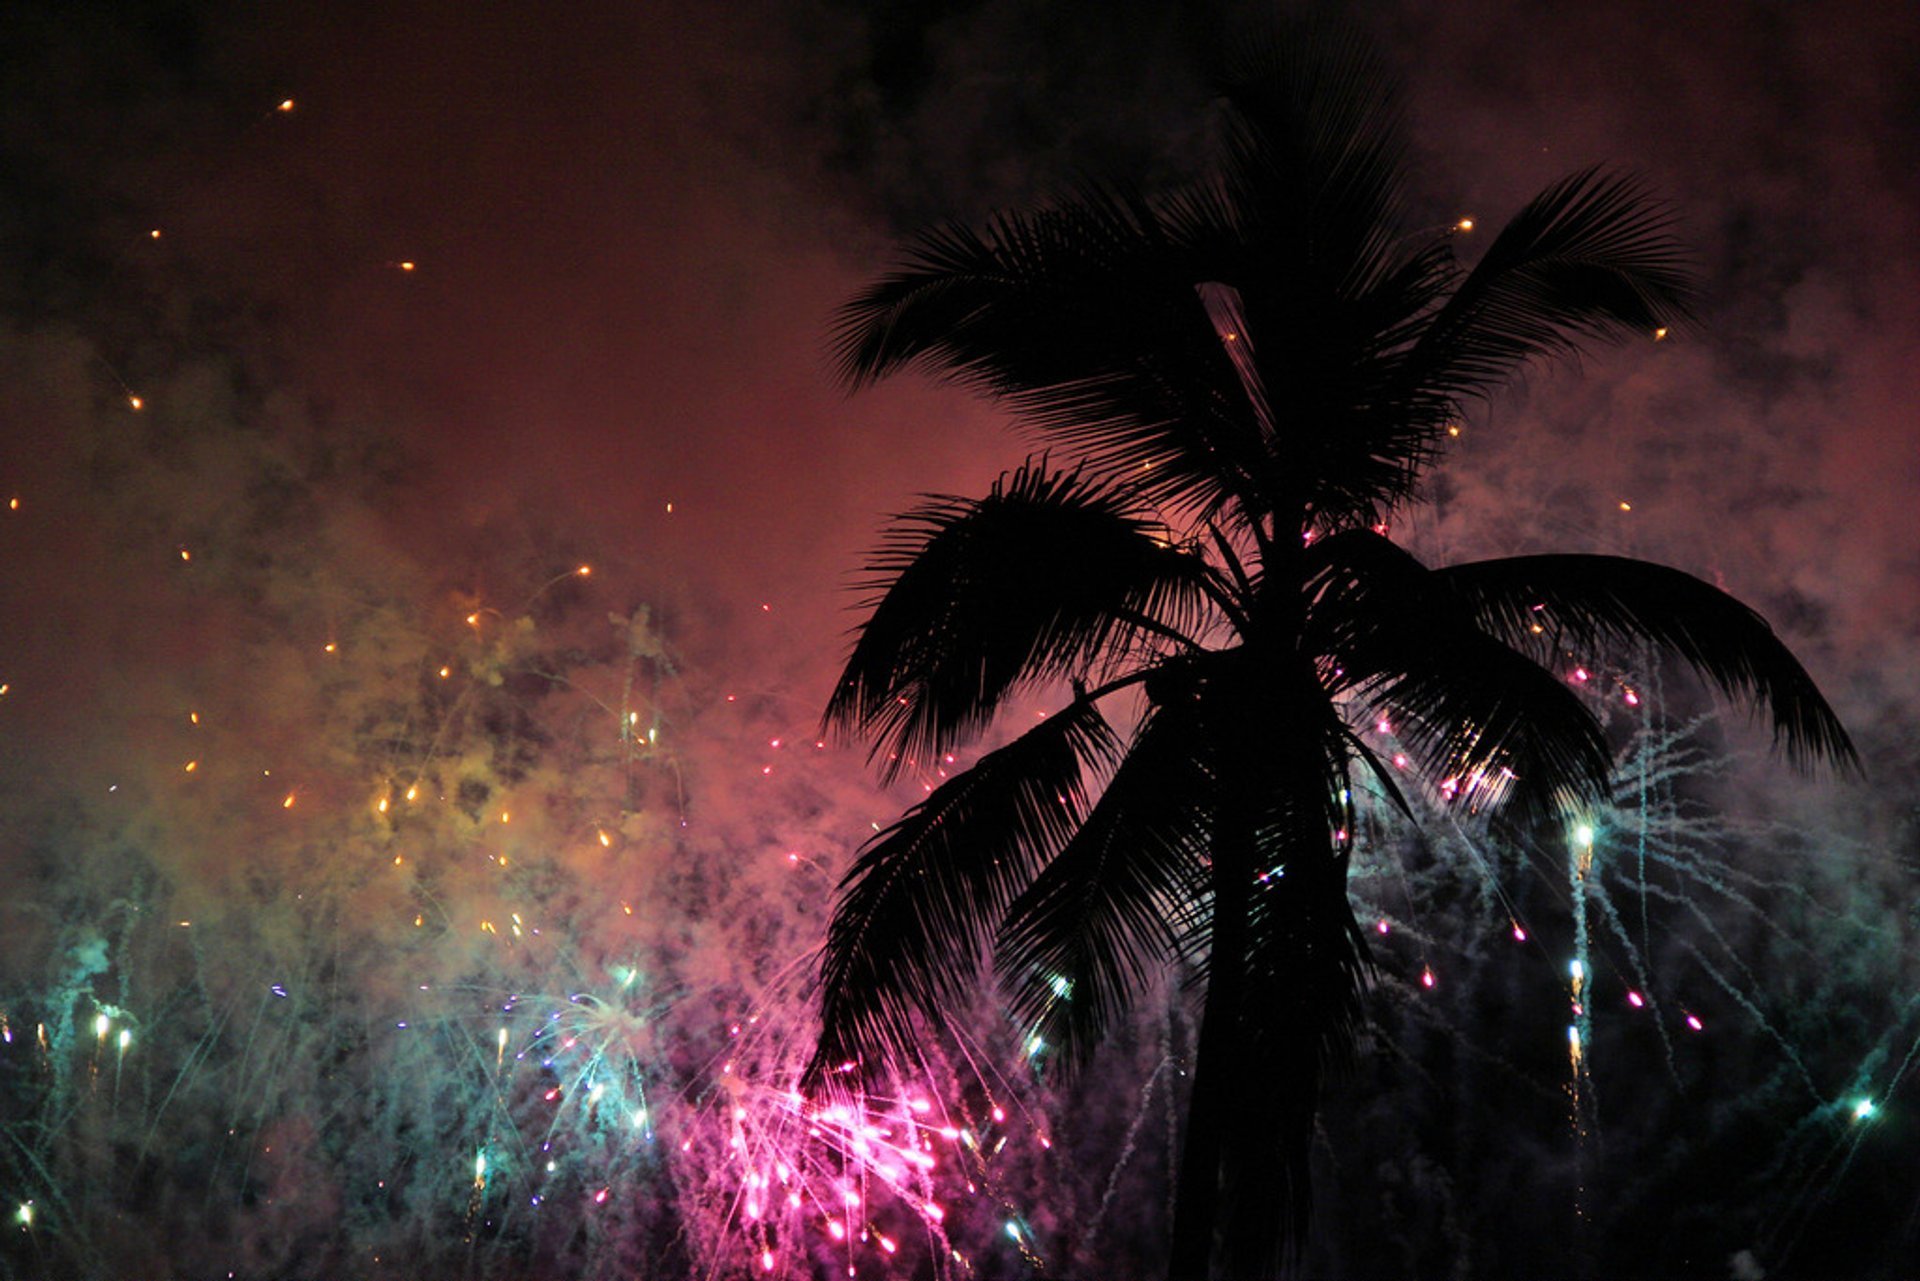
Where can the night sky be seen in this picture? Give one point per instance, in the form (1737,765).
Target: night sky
(507,290)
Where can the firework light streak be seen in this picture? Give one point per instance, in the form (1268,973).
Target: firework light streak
(392,1035)
(455,985)
(1653,934)
(1580,1031)
(849,1179)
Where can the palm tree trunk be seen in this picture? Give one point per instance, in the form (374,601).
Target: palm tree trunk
(1197,1194)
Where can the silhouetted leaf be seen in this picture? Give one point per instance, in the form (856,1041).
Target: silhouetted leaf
(925,894)
(1044,578)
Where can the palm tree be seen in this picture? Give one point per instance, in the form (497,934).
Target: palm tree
(1247,377)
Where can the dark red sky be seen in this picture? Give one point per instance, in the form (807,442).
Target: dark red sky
(633,223)
(624,281)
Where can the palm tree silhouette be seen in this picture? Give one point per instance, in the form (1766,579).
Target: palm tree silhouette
(1247,376)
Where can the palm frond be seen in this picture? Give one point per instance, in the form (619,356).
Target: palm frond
(1612,599)
(1483,718)
(1314,159)
(1488,723)
(1387,369)
(1301,234)
(1077,943)
(1082,318)
(1227,314)
(922,899)
(979,598)
(1382,776)
(1591,257)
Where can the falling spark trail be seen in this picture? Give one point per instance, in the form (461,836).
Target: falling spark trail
(1127,1146)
